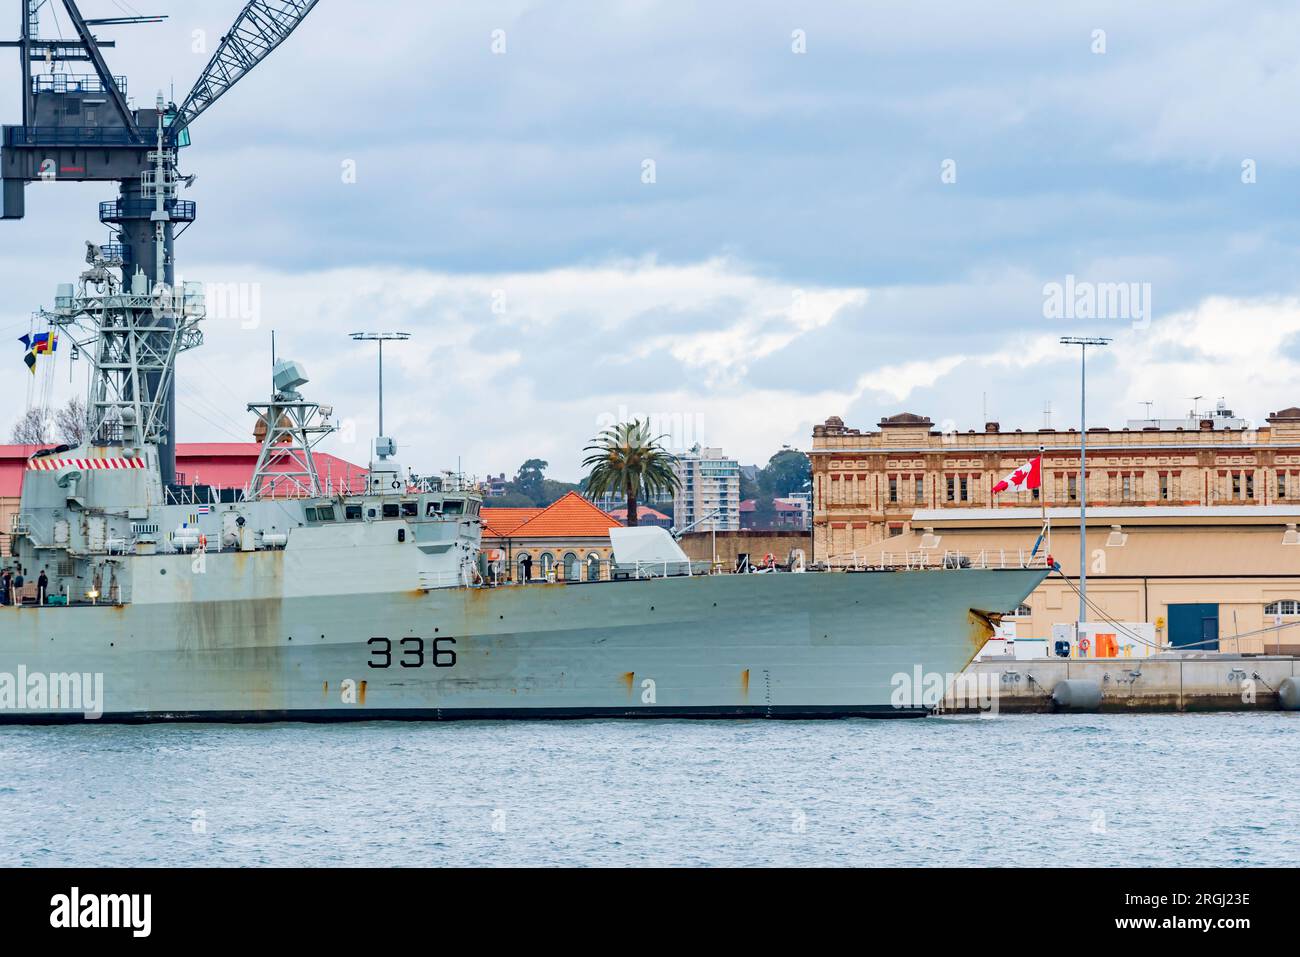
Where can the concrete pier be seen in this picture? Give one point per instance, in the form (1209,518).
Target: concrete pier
(1190,682)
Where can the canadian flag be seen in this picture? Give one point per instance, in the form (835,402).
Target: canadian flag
(1029,475)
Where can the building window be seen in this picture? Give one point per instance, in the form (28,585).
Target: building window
(593,567)
(965,496)
(893,488)
(1072,488)
(895,530)
(952,489)
(1126,488)
(1164,487)
(1250,485)
(1022,611)
(920,490)
(1236,485)
(1287,606)
(1281,485)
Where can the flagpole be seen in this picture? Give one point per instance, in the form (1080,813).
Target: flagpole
(1042,497)
(1083,342)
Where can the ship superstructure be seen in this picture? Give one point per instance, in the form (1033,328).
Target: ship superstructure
(294,599)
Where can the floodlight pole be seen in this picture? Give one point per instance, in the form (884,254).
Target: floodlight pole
(1083,342)
(381,338)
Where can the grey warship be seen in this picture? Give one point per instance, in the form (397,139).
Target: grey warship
(183,603)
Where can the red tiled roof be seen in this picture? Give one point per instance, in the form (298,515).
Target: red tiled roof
(570,517)
(642,511)
(502,521)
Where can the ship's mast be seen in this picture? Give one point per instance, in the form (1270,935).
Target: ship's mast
(290,428)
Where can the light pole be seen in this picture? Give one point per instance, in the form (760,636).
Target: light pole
(381,338)
(1083,342)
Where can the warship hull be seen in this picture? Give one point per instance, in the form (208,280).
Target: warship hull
(782,645)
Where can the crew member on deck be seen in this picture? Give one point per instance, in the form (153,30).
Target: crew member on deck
(42,587)
(526,566)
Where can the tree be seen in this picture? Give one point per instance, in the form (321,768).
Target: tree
(528,480)
(787,471)
(70,421)
(625,459)
(32,428)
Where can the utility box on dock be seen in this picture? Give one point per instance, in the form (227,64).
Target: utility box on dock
(1124,639)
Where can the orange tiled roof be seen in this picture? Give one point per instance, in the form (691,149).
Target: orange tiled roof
(570,517)
(502,521)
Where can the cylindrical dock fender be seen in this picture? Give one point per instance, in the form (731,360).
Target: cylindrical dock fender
(1288,694)
(1077,694)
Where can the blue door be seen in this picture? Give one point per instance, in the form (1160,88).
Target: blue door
(1195,627)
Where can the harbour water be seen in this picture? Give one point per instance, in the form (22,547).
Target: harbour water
(1104,790)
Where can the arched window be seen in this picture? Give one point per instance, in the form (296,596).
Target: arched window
(593,567)
(520,563)
(1286,606)
(548,563)
(572,570)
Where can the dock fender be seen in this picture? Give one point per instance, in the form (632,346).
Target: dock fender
(1077,695)
(1288,694)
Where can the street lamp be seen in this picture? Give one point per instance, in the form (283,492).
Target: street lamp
(381,338)
(1083,342)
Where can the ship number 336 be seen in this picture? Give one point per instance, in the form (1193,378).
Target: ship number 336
(411,652)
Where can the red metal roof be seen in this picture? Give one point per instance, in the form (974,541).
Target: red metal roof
(220,464)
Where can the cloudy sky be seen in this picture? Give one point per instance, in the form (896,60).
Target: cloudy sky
(740,216)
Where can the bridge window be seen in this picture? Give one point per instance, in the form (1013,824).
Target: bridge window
(352,513)
(410,509)
(325,513)
(391,510)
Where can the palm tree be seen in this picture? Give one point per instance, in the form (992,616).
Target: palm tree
(627,460)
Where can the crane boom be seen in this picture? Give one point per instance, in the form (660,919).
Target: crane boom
(260,27)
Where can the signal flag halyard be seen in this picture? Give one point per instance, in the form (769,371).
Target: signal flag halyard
(38,344)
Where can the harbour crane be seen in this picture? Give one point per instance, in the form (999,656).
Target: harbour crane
(79,127)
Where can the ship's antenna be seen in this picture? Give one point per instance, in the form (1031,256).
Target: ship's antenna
(381,338)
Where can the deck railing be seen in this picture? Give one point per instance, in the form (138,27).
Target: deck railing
(932,558)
